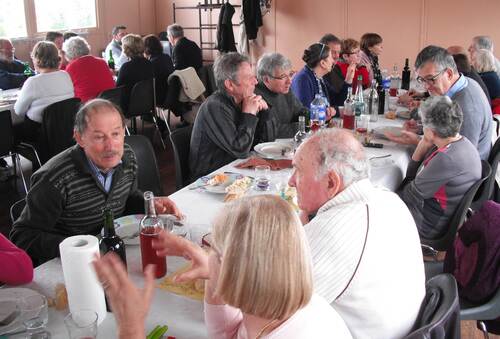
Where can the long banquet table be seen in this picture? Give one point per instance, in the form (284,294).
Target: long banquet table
(184,316)
(8,105)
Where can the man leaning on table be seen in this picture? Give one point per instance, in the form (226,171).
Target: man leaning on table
(280,119)
(70,191)
(437,70)
(226,122)
(11,69)
(365,248)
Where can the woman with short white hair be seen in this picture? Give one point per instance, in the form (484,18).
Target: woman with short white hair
(258,271)
(90,75)
(484,63)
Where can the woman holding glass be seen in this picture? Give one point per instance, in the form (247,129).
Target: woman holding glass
(258,271)
(309,80)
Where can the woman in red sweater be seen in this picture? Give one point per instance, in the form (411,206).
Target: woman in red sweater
(16,265)
(350,53)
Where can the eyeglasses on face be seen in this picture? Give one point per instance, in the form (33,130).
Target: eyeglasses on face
(283,76)
(430,80)
(353,52)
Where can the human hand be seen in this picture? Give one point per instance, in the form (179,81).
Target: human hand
(406,138)
(330,112)
(349,76)
(164,205)
(168,244)
(413,104)
(404,99)
(130,304)
(411,126)
(263,105)
(252,104)
(422,149)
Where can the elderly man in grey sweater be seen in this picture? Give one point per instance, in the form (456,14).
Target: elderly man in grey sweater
(437,70)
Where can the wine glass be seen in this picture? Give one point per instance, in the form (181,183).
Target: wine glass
(34,315)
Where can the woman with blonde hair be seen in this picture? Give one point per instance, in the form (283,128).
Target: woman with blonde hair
(484,63)
(258,271)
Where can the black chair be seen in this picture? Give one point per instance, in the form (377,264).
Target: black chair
(432,246)
(142,103)
(7,145)
(180,139)
(489,310)
(57,127)
(485,191)
(149,175)
(115,95)
(16,209)
(439,312)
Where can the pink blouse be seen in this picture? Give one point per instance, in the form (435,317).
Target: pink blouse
(16,265)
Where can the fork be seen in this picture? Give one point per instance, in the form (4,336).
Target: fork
(380,157)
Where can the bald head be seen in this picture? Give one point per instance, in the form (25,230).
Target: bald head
(6,50)
(456,50)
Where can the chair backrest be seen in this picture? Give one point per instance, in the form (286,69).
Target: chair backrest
(16,209)
(440,309)
(115,95)
(206,74)
(57,127)
(458,217)
(142,99)
(180,139)
(148,173)
(485,191)
(6,134)
(489,310)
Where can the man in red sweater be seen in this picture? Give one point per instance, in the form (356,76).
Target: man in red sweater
(90,75)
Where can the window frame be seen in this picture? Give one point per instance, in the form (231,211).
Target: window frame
(32,27)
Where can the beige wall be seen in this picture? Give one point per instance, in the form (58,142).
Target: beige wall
(292,25)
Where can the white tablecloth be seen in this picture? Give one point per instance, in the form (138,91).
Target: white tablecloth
(185,316)
(16,119)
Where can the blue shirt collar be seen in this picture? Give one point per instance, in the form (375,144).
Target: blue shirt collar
(457,86)
(104,178)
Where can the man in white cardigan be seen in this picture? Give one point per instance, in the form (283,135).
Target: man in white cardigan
(364,243)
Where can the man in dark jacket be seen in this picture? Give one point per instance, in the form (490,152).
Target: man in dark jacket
(11,69)
(69,192)
(185,53)
(225,125)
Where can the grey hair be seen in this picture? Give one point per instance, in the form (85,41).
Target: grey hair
(116,29)
(442,115)
(483,42)
(76,47)
(226,68)
(340,152)
(46,55)
(437,55)
(269,62)
(175,31)
(484,61)
(91,106)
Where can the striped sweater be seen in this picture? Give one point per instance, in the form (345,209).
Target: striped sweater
(66,199)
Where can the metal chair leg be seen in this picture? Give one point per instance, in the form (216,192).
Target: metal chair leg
(126,130)
(159,132)
(482,326)
(34,151)
(18,161)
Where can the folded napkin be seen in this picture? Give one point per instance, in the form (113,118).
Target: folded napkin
(275,165)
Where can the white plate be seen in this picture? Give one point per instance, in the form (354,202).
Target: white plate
(13,294)
(129,225)
(217,189)
(275,150)
(380,131)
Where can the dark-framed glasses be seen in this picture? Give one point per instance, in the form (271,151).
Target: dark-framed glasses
(430,80)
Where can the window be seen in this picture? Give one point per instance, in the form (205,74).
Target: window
(21,18)
(12,19)
(64,15)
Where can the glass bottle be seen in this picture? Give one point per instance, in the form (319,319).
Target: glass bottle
(348,117)
(359,101)
(373,102)
(405,76)
(27,70)
(301,133)
(318,112)
(111,61)
(151,226)
(394,81)
(110,242)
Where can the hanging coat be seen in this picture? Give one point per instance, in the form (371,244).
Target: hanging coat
(253,17)
(225,35)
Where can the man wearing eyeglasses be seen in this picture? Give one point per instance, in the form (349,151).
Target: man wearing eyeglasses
(11,69)
(438,72)
(70,191)
(274,74)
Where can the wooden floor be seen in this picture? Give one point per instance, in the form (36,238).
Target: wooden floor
(12,191)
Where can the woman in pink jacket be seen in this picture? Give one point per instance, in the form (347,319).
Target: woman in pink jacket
(16,265)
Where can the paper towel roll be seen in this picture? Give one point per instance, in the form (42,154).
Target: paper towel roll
(84,290)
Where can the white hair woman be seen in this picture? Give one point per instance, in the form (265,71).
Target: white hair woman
(258,271)
(90,75)
(48,86)
(451,165)
(484,63)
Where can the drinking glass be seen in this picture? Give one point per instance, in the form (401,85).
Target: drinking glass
(81,324)
(281,182)
(34,315)
(262,177)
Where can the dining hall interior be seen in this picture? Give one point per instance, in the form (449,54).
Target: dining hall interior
(253,165)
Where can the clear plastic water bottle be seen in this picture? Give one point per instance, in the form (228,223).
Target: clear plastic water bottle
(373,102)
(318,113)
